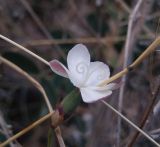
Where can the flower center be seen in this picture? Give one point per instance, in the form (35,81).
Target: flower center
(82,68)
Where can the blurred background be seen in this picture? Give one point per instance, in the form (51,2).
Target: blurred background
(50,28)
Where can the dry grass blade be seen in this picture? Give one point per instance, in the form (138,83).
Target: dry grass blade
(145,54)
(77,40)
(32,80)
(40,88)
(147,112)
(132,124)
(40,24)
(5,130)
(19,134)
(128,10)
(128,46)
(24,49)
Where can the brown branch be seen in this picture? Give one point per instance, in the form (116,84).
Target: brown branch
(6,131)
(30,127)
(128,9)
(128,46)
(28,77)
(104,40)
(40,88)
(40,24)
(146,114)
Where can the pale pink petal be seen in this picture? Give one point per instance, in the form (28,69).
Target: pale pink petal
(98,72)
(78,61)
(59,68)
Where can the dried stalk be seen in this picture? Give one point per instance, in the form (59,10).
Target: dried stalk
(29,78)
(128,10)
(40,24)
(145,54)
(4,129)
(39,87)
(128,44)
(150,49)
(132,124)
(24,49)
(102,40)
(26,129)
(146,114)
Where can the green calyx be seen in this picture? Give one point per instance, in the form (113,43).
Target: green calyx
(71,101)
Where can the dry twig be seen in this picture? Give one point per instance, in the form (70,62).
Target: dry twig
(5,131)
(38,86)
(145,54)
(128,45)
(19,134)
(147,112)
(40,24)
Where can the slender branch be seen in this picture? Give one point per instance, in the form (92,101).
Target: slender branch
(75,40)
(129,42)
(128,10)
(144,55)
(155,131)
(131,123)
(148,51)
(40,88)
(30,127)
(32,80)
(5,130)
(35,18)
(24,49)
(40,24)
(102,40)
(146,114)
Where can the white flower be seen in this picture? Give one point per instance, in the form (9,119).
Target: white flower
(84,74)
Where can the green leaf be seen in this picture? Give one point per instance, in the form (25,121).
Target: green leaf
(50,138)
(22,61)
(71,101)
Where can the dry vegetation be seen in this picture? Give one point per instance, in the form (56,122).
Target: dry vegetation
(50,28)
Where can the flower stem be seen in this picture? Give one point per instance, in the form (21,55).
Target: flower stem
(24,49)
(26,129)
(29,78)
(145,54)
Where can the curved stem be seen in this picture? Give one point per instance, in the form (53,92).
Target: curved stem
(145,54)
(32,80)
(30,127)
(131,123)
(24,49)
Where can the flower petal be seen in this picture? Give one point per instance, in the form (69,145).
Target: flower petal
(90,95)
(110,86)
(98,72)
(59,68)
(78,61)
